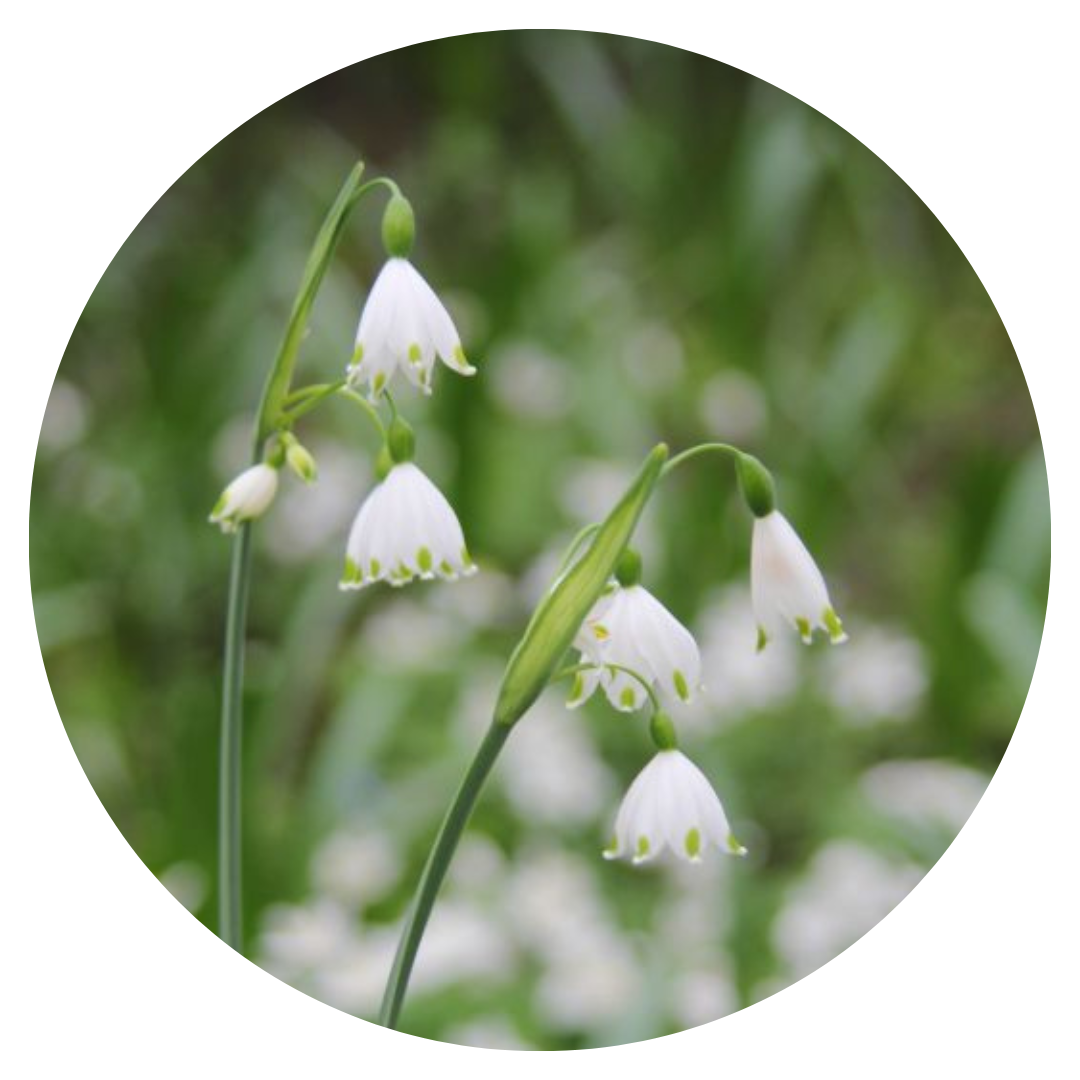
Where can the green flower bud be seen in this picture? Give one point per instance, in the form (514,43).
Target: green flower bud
(400,441)
(662,731)
(301,462)
(628,568)
(398,227)
(756,485)
(559,615)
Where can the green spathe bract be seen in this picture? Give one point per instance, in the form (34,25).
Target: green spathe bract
(559,615)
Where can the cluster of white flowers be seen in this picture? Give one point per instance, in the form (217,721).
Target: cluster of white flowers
(637,651)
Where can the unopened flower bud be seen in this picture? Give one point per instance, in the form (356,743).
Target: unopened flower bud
(301,462)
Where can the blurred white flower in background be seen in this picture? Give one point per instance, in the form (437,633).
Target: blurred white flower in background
(187,881)
(308,517)
(847,890)
(732,404)
(653,357)
(925,792)
(410,635)
(67,416)
(881,675)
(299,938)
(703,996)
(356,866)
(528,382)
(738,679)
(487,1032)
(551,772)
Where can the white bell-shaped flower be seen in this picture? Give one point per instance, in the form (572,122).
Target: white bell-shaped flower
(671,804)
(405,529)
(403,326)
(248,496)
(630,628)
(785,584)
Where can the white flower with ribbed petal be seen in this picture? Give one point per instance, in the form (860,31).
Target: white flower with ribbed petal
(786,585)
(405,529)
(630,628)
(405,327)
(671,805)
(248,496)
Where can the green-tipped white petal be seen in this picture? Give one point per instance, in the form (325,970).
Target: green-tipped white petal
(671,805)
(403,327)
(786,585)
(630,628)
(405,529)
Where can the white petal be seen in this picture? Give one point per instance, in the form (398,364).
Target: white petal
(668,647)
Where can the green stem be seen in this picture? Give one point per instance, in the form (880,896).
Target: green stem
(363,403)
(696,451)
(268,420)
(230,927)
(435,870)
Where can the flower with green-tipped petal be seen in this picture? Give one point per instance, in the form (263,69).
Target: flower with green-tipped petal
(247,497)
(671,805)
(403,326)
(786,585)
(405,529)
(628,627)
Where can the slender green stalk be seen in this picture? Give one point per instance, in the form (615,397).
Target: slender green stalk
(230,927)
(435,870)
(271,417)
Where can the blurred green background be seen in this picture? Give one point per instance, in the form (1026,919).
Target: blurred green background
(637,244)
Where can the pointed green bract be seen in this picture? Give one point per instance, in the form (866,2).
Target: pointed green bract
(561,612)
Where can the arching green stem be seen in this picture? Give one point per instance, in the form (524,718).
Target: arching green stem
(696,451)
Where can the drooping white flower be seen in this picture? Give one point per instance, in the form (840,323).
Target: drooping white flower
(405,529)
(403,326)
(785,584)
(248,496)
(629,627)
(671,804)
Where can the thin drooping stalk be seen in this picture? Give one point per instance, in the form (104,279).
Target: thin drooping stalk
(435,870)
(230,924)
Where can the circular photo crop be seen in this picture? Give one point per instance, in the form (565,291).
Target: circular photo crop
(539,540)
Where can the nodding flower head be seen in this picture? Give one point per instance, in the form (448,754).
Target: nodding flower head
(671,805)
(785,584)
(405,529)
(630,628)
(405,327)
